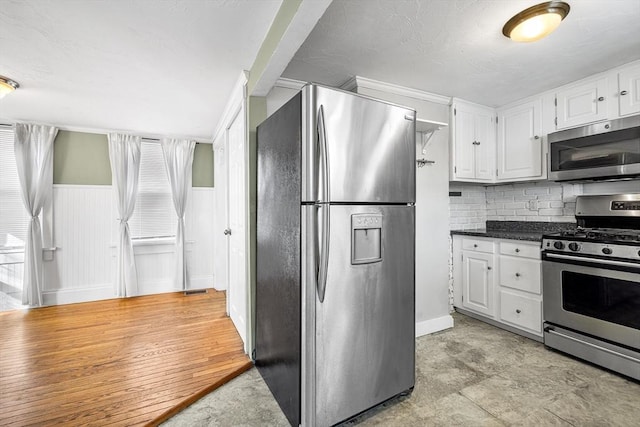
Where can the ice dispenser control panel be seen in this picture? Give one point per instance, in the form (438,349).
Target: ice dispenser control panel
(366,238)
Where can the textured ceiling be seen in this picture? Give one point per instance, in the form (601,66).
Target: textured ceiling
(155,67)
(456,47)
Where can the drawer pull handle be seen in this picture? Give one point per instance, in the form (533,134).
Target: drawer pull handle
(475,246)
(518,311)
(517,274)
(517,250)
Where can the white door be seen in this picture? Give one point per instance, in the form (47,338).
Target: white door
(220,211)
(629,96)
(582,104)
(237,294)
(477,282)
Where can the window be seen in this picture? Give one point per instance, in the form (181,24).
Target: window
(13,215)
(154,215)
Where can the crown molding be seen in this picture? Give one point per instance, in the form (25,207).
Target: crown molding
(236,99)
(357,81)
(289,83)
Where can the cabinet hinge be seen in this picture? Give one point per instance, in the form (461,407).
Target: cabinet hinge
(455,169)
(496,172)
(555,101)
(556,120)
(454,112)
(496,119)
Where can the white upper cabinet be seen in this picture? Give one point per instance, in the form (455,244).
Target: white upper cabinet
(629,91)
(520,148)
(473,142)
(582,103)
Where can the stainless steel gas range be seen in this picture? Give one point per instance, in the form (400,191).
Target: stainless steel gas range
(591,284)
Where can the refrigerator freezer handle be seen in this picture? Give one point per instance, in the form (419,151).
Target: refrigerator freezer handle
(324,155)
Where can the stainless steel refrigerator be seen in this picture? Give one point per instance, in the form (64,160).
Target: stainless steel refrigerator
(335,292)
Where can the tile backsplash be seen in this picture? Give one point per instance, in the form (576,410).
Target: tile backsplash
(544,201)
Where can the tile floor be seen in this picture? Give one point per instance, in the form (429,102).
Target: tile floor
(471,375)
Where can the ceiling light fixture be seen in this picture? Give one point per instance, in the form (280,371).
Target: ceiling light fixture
(536,22)
(7,86)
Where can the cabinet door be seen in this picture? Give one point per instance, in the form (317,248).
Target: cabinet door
(477,282)
(485,148)
(520,141)
(581,104)
(629,95)
(463,138)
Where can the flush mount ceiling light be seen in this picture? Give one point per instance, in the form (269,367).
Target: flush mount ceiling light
(536,22)
(7,86)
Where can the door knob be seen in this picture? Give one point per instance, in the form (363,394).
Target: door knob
(601,98)
(227,232)
(624,92)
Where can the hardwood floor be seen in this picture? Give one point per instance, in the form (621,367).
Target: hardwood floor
(133,361)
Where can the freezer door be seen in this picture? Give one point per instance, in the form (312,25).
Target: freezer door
(365,327)
(362,149)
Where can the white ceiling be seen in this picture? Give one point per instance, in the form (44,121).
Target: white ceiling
(154,67)
(456,47)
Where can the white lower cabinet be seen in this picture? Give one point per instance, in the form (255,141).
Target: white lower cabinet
(478,282)
(500,280)
(521,310)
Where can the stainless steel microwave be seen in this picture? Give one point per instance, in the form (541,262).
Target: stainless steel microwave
(603,150)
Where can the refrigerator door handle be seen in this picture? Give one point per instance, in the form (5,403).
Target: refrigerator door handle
(325,207)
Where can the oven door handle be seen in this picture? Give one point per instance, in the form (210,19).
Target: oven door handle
(552,331)
(603,263)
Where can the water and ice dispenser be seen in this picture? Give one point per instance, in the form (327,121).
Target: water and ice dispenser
(366,238)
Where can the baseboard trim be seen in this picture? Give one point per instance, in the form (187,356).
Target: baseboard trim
(434,325)
(72,296)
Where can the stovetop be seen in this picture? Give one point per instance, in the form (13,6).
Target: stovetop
(601,235)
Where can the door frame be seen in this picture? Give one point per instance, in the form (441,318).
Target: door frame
(236,109)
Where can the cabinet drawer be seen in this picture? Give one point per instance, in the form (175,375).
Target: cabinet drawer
(520,273)
(522,311)
(477,245)
(526,250)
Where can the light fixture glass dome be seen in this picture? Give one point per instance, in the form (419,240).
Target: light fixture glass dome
(7,86)
(536,22)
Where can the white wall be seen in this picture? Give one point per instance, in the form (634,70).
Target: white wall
(84,264)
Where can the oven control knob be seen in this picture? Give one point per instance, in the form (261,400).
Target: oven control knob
(574,246)
(606,251)
(558,245)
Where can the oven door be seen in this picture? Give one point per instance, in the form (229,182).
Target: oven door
(593,296)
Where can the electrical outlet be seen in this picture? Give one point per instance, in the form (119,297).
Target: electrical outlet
(533,205)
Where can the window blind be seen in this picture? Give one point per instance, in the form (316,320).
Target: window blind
(13,215)
(154,214)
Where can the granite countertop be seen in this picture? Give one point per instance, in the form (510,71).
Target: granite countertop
(516,230)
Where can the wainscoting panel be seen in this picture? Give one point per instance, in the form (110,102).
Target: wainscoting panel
(81,234)
(200,233)
(83,265)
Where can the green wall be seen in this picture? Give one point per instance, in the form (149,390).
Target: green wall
(83,159)
(203,166)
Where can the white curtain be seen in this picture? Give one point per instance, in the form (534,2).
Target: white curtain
(178,158)
(34,161)
(124,154)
